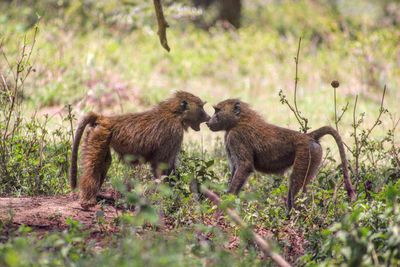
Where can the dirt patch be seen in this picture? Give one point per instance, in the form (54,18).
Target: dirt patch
(50,213)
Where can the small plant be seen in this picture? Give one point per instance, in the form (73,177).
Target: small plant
(192,172)
(365,236)
(33,160)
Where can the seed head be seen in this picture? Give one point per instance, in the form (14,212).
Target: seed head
(335,84)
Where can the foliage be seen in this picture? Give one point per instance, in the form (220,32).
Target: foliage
(367,235)
(104,55)
(70,248)
(33,159)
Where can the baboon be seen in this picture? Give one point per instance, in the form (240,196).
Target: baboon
(253,144)
(154,136)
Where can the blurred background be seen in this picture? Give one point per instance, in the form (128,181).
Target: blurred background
(60,59)
(105,55)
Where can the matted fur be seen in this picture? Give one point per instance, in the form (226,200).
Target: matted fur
(153,136)
(253,144)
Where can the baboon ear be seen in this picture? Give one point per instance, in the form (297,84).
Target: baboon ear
(236,108)
(184,105)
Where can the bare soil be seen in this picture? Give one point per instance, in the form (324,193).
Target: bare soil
(50,213)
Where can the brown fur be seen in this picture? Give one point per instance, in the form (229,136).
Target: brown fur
(253,144)
(153,136)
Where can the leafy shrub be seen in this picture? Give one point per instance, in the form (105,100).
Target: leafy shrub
(367,235)
(33,159)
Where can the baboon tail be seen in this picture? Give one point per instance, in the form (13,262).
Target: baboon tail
(317,134)
(89,118)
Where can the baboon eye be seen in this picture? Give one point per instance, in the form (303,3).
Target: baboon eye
(184,105)
(236,108)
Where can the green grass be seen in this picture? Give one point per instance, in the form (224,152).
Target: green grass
(252,64)
(86,62)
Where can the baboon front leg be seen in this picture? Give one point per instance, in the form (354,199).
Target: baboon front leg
(96,160)
(305,167)
(232,166)
(158,171)
(155,170)
(233,171)
(239,178)
(163,165)
(171,169)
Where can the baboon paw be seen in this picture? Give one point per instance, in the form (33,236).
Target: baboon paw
(219,217)
(352,196)
(87,205)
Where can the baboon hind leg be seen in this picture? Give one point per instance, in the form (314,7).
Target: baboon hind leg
(105,196)
(105,167)
(305,167)
(96,160)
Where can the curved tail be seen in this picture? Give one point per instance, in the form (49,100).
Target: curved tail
(317,134)
(90,118)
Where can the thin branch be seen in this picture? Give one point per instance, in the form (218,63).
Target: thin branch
(296,79)
(334,101)
(70,119)
(33,43)
(162,24)
(30,54)
(302,120)
(293,110)
(359,144)
(3,53)
(335,84)
(343,111)
(381,111)
(262,243)
(357,148)
(6,86)
(393,149)
(18,80)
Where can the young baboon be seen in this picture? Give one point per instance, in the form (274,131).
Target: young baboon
(153,136)
(253,144)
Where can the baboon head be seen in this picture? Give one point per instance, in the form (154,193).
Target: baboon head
(191,110)
(227,115)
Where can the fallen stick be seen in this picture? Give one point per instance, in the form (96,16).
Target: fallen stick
(162,24)
(262,243)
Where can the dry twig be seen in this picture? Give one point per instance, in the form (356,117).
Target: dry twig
(303,121)
(262,243)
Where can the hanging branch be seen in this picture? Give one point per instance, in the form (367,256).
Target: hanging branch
(162,24)
(262,243)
